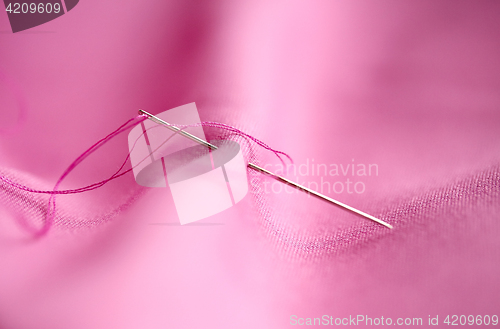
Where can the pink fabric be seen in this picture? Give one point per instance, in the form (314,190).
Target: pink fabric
(412,87)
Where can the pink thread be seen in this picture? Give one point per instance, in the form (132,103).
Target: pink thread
(241,133)
(52,200)
(124,127)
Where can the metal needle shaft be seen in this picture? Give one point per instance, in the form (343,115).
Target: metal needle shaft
(267,172)
(319,195)
(174,128)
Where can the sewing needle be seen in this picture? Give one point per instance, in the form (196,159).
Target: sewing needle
(267,172)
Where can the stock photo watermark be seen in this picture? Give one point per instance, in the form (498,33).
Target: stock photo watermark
(28,14)
(430,320)
(333,178)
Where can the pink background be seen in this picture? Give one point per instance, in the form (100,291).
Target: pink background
(412,86)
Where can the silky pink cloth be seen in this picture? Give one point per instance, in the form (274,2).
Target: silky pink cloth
(412,87)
